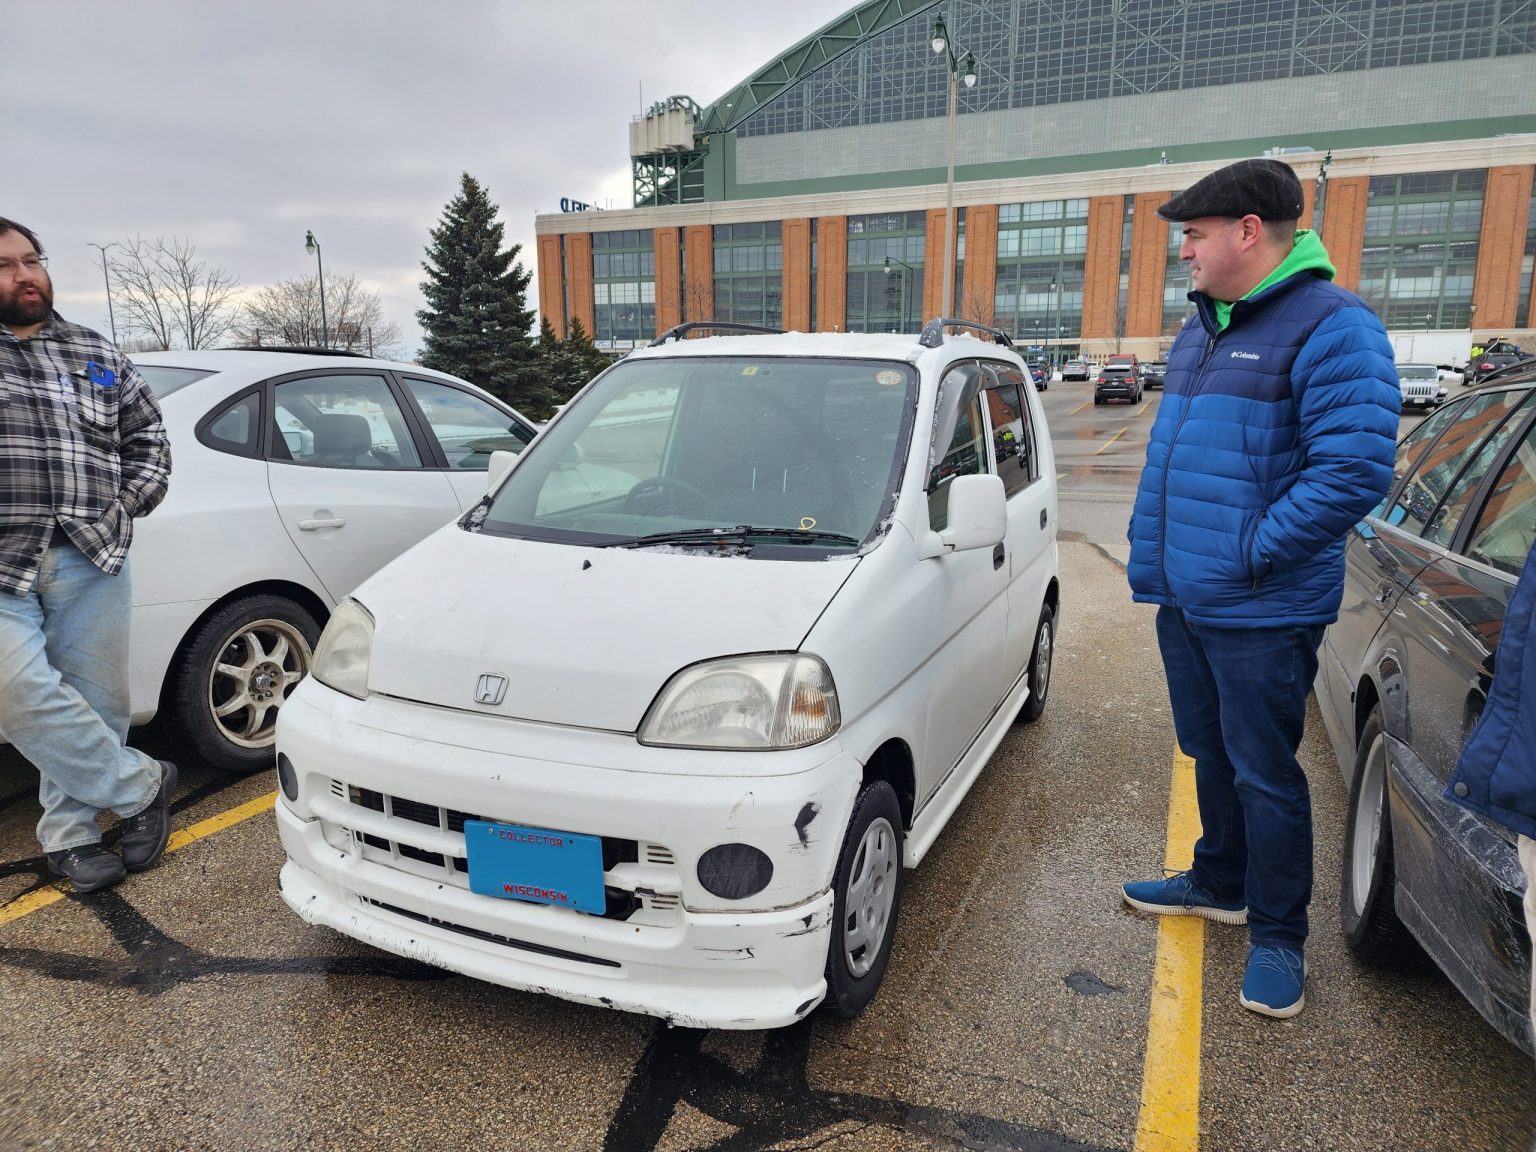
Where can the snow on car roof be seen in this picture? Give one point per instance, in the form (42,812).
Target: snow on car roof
(854,345)
(230,359)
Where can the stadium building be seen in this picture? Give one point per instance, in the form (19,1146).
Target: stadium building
(814,195)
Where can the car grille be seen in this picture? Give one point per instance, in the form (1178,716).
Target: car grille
(397,850)
(493,938)
(1425,391)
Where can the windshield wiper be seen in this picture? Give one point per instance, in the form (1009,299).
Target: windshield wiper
(740,536)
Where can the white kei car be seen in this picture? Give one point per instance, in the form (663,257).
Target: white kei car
(668,750)
(294,477)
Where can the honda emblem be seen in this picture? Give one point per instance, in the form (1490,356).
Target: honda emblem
(490,689)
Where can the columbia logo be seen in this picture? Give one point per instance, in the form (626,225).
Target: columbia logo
(1245,355)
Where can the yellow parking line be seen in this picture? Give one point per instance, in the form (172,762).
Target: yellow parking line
(1112,439)
(1144,407)
(1170,1079)
(43,897)
(1080,407)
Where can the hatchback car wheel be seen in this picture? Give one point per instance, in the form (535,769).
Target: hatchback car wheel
(1367,909)
(866,900)
(236,673)
(1040,666)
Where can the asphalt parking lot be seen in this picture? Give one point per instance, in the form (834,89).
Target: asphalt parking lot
(1025,1006)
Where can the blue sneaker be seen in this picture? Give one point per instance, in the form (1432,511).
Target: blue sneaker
(1275,981)
(1178,895)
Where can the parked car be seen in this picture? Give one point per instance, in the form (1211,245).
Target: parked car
(1498,355)
(1153,373)
(1117,380)
(668,750)
(1420,384)
(295,477)
(1403,675)
(1076,370)
(1040,373)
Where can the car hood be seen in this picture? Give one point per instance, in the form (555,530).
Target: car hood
(584,636)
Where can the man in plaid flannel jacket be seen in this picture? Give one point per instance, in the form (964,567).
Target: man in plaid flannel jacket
(82,453)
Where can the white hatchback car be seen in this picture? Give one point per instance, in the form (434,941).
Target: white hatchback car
(668,750)
(294,477)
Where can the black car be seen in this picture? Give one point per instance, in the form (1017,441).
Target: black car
(1498,355)
(1117,382)
(1153,373)
(1402,676)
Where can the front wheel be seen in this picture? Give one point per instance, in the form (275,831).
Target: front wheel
(1040,666)
(1367,907)
(866,900)
(234,675)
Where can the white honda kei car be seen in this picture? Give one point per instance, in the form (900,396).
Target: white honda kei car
(668,749)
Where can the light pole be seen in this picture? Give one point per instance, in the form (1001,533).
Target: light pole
(1055,288)
(943,47)
(107,281)
(889,271)
(1321,194)
(312,246)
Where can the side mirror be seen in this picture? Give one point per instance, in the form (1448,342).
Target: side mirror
(978,517)
(501,464)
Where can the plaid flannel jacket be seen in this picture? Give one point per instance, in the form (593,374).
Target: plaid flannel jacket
(81,447)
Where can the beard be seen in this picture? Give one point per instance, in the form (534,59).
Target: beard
(16,312)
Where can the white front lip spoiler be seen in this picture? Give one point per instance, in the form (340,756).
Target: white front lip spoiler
(737,972)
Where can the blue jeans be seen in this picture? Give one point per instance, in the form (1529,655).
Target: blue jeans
(1239,701)
(64,699)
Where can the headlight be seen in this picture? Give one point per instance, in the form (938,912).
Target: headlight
(341,657)
(752,703)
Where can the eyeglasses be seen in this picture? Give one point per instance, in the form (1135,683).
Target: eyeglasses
(9,268)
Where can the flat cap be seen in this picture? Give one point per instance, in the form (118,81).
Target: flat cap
(1267,189)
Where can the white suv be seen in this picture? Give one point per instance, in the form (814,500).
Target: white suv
(668,749)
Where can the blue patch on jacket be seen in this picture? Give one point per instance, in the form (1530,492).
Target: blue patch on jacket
(1272,439)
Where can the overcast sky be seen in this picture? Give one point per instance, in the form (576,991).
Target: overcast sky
(238,125)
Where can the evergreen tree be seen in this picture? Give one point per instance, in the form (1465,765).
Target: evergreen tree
(564,367)
(476,318)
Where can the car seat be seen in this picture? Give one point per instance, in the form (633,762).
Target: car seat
(344,440)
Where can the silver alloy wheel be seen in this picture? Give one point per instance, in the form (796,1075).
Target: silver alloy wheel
(870,895)
(1043,654)
(1370,804)
(256,671)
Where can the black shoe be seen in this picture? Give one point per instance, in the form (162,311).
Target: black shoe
(144,835)
(89,867)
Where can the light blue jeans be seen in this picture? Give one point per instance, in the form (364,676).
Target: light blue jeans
(64,700)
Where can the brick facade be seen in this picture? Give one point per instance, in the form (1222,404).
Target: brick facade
(980,288)
(832,275)
(699,275)
(552,284)
(669,279)
(1149,261)
(1500,248)
(796,284)
(578,266)
(1344,227)
(1101,268)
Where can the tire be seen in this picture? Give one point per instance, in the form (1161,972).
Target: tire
(869,876)
(1040,661)
(266,645)
(1367,909)
(1097,400)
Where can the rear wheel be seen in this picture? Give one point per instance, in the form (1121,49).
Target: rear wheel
(234,675)
(1040,666)
(866,900)
(1367,908)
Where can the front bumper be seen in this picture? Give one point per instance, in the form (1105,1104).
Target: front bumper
(392,875)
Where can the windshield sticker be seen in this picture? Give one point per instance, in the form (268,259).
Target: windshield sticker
(889,377)
(749,370)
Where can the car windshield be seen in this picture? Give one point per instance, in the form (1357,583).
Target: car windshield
(766,456)
(163,381)
(1417,372)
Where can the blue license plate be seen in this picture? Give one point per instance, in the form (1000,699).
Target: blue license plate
(539,865)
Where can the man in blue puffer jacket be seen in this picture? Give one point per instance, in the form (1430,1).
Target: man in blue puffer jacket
(1496,772)
(1275,435)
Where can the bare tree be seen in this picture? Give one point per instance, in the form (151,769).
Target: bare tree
(169,297)
(288,312)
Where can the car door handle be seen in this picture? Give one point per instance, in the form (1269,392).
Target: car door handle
(1383,594)
(316,525)
(998,556)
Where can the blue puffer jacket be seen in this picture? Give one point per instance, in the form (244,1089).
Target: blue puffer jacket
(1273,437)
(1496,774)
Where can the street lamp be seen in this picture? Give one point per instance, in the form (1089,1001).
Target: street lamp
(107,281)
(312,246)
(943,47)
(1321,193)
(902,292)
(1055,287)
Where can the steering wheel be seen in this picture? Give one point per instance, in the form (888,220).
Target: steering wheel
(669,483)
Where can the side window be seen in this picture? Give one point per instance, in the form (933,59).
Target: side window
(966,455)
(1506,528)
(343,421)
(1447,518)
(1013,441)
(1437,468)
(467,428)
(234,429)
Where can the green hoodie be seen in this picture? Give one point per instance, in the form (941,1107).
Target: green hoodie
(1307,254)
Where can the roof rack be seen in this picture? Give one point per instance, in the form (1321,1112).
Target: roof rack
(682,330)
(933,331)
(300,349)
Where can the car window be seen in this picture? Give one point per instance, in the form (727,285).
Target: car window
(1013,442)
(1505,529)
(341,421)
(1436,469)
(163,381)
(235,428)
(1442,525)
(966,454)
(468,428)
